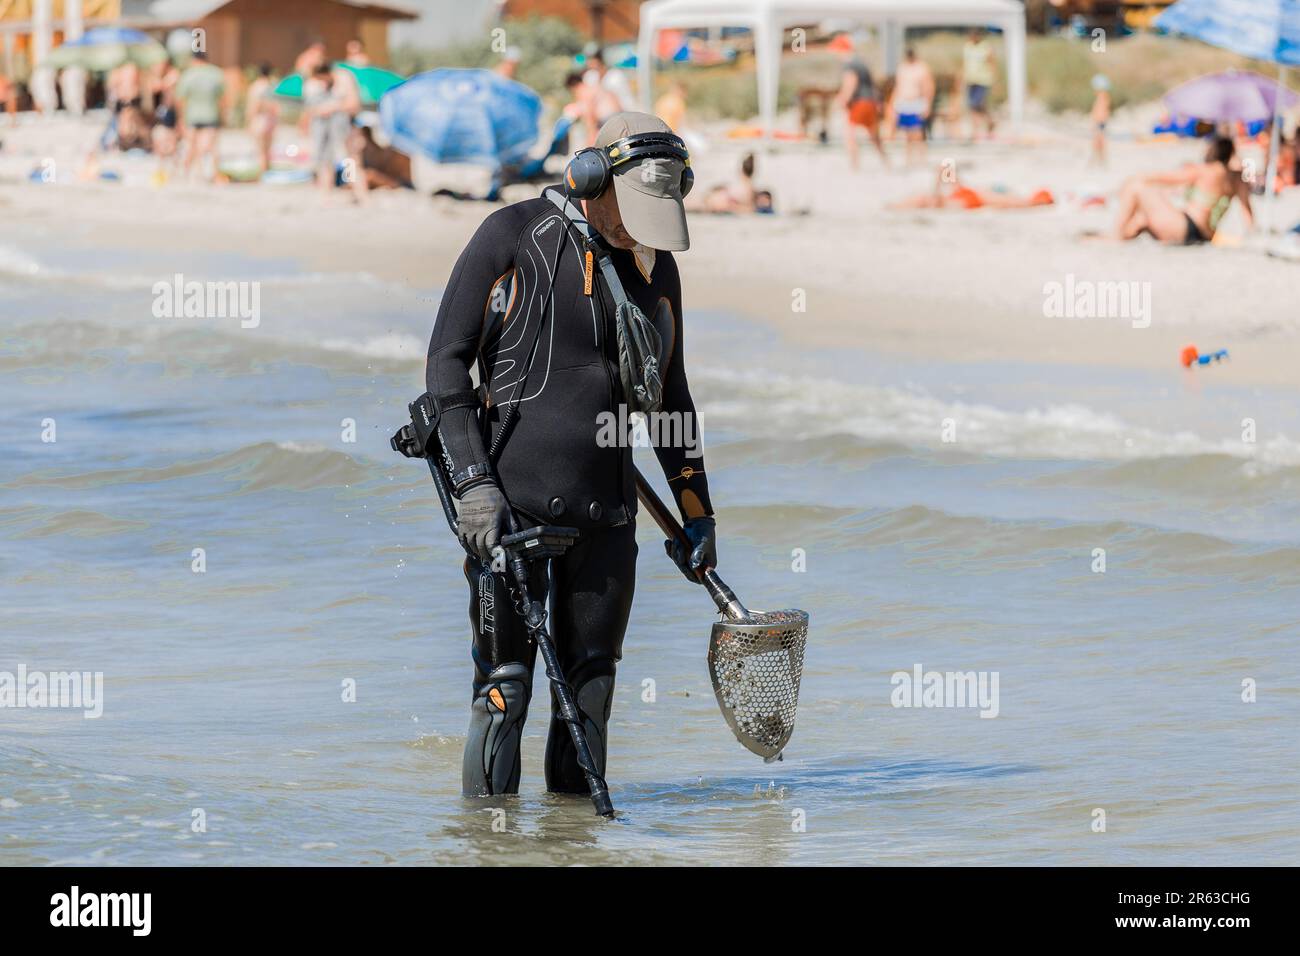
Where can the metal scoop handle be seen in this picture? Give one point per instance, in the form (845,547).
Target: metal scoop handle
(723,596)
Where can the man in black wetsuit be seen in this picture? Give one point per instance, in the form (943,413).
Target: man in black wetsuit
(552,465)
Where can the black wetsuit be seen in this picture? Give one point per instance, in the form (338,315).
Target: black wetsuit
(551,465)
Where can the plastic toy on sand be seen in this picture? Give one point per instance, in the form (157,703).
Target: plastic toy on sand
(1191,357)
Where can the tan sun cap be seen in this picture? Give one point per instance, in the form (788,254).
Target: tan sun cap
(649,190)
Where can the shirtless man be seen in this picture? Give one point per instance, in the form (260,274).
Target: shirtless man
(911,103)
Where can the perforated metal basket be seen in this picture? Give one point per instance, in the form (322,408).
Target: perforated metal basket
(756,665)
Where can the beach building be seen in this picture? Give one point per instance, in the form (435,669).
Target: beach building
(608,21)
(238,32)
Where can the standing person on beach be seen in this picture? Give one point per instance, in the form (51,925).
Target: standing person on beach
(8,98)
(912,100)
(164,136)
(312,56)
(978,71)
(857,97)
(262,114)
(330,100)
(355,54)
(1099,116)
(671,107)
(199,95)
(609,93)
(526,308)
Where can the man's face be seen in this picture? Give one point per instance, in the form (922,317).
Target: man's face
(604,217)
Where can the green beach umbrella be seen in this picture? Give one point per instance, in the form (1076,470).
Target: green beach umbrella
(106,48)
(373,82)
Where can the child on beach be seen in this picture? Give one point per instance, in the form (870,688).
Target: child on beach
(1099,116)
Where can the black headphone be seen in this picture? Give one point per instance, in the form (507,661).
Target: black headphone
(590,171)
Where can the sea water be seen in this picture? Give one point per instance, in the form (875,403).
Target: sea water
(209,516)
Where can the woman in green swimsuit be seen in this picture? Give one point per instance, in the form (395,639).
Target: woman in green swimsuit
(1210,187)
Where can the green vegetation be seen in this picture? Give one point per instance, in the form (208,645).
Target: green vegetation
(547,44)
(1141,68)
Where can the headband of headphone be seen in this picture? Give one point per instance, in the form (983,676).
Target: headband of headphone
(590,171)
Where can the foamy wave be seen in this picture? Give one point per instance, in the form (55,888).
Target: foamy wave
(394,345)
(20,264)
(16,262)
(818,407)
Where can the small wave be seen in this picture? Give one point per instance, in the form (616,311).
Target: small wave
(818,407)
(70,344)
(258,467)
(79,523)
(976,542)
(21,264)
(1205,474)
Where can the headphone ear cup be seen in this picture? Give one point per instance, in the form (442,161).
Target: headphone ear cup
(688,180)
(587,174)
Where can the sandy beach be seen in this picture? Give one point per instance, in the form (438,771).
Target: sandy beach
(946,284)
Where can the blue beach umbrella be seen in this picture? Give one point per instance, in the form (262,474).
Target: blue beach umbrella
(1262,29)
(462,116)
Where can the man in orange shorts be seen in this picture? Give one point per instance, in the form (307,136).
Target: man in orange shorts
(857,97)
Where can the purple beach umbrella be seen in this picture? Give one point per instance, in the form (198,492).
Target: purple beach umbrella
(1229,97)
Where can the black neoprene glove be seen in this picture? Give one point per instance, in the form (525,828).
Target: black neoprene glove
(703,536)
(484,512)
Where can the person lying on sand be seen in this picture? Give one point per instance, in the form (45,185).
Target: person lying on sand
(1210,187)
(383,166)
(962,196)
(736,197)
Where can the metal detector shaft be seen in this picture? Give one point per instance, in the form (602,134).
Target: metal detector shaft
(535,619)
(424,412)
(723,596)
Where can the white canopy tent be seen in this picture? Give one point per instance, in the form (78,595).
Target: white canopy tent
(769,19)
